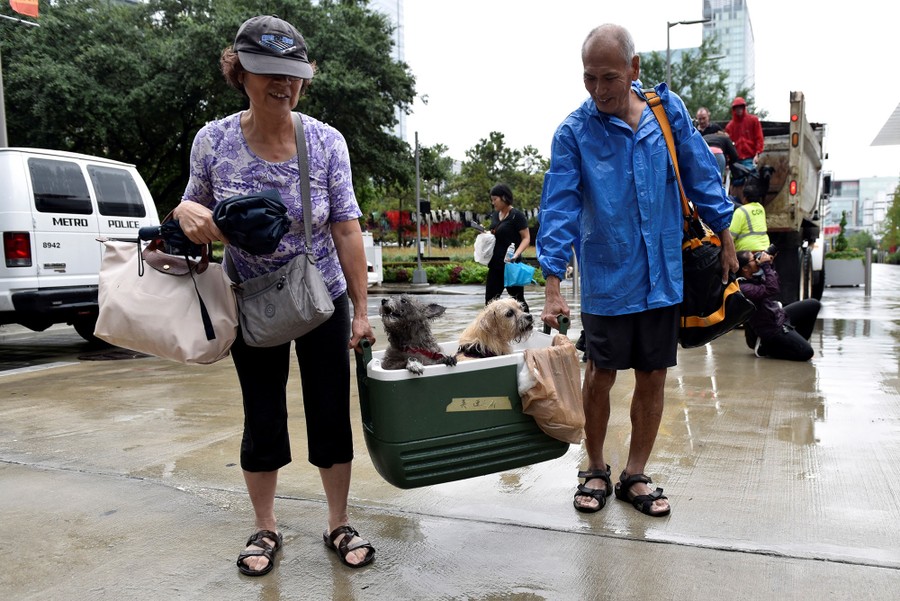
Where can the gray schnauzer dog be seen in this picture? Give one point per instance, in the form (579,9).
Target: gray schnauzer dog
(407,323)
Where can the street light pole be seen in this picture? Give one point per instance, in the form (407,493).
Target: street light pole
(419,275)
(669,26)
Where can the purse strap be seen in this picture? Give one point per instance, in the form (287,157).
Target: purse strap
(653,99)
(303,160)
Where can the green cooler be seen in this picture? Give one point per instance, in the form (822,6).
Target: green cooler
(450,423)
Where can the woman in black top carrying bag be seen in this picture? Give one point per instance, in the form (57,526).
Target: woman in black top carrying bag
(509,226)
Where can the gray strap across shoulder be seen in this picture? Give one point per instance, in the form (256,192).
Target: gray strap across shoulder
(303,160)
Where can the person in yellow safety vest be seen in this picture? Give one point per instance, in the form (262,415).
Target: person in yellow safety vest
(748,227)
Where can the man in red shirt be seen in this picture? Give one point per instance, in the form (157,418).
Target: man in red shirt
(746,133)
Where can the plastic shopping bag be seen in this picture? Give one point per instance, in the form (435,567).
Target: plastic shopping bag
(518,274)
(550,387)
(484,247)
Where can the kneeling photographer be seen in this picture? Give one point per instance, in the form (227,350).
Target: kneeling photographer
(774,331)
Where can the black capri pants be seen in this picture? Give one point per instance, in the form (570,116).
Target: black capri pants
(324,361)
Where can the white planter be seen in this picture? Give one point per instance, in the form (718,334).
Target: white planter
(845,272)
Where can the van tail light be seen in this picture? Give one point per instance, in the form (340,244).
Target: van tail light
(793,187)
(17,249)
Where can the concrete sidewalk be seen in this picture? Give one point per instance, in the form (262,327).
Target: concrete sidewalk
(118,480)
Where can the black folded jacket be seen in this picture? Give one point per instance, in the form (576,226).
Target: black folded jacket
(254,223)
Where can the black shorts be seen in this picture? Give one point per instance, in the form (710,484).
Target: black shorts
(643,341)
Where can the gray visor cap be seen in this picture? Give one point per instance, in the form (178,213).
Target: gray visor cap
(267,45)
(266,64)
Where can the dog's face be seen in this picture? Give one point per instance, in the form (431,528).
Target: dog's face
(403,315)
(406,322)
(497,326)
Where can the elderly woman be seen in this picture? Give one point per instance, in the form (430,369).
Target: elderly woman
(245,153)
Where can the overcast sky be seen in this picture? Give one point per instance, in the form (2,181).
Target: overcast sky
(514,66)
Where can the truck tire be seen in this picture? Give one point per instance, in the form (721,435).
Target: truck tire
(805,273)
(818,284)
(788,264)
(85,328)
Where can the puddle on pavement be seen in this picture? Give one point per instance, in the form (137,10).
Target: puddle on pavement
(113,354)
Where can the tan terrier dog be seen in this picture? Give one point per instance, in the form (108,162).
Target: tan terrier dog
(497,326)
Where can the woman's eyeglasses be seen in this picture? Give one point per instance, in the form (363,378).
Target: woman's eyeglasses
(287,77)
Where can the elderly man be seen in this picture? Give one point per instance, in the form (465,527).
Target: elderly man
(611,189)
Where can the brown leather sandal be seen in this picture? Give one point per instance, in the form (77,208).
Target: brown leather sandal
(345,546)
(266,550)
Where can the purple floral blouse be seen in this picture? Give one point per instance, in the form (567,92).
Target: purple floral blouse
(222,165)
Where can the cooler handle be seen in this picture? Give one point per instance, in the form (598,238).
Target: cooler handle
(366,345)
(563,324)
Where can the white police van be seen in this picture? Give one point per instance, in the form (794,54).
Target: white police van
(53,207)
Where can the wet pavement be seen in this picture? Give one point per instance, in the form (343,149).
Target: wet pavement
(119,480)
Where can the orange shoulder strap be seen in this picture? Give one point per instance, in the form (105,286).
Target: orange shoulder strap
(660,113)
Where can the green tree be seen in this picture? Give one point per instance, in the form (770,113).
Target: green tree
(698,79)
(359,86)
(435,172)
(135,83)
(527,181)
(890,227)
(861,240)
(490,162)
(435,168)
(840,242)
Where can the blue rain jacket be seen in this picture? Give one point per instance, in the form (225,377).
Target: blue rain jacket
(612,191)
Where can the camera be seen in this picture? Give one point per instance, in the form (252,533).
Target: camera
(771,251)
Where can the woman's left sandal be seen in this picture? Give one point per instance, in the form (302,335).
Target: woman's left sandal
(346,546)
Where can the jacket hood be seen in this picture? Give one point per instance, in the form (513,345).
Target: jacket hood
(738,102)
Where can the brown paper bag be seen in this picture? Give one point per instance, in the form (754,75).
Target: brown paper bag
(554,395)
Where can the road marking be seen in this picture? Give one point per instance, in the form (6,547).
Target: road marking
(42,367)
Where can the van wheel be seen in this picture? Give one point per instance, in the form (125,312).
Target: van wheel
(85,328)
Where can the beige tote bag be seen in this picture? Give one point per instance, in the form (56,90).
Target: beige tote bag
(164,305)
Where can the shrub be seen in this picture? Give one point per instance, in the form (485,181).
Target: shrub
(453,265)
(396,274)
(438,274)
(461,272)
(850,253)
(842,249)
(473,273)
(840,243)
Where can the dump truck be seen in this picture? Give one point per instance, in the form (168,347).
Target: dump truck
(797,187)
